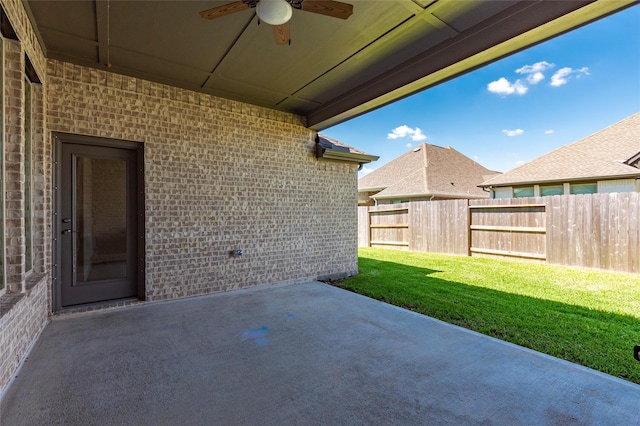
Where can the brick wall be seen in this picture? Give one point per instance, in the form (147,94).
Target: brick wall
(219,175)
(25,306)
(13,80)
(22,319)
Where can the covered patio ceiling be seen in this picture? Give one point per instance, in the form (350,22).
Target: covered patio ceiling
(332,70)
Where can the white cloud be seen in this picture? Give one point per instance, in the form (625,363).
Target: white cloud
(537,67)
(502,86)
(535,78)
(582,71)
(409,144)
(519,162)
(549,132)
(534,74)
(515,132)
(562,76)
(406,131)
(365,171)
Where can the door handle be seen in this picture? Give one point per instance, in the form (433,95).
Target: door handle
(67,231)
(66,220)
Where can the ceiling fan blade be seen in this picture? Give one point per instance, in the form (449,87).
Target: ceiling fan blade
(223,10)
(331,8)
(281,33)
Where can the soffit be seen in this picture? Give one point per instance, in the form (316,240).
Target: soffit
(332,70)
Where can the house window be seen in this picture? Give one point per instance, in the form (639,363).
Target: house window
(522,192)
(28,165)
(551,190)
(584,188)
(616,185)
(502,192)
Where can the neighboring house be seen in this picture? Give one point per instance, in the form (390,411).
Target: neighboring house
(427,172)
(606,161)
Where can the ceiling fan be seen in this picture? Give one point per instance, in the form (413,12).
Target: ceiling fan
(278,12)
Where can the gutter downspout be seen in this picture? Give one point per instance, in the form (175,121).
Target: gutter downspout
(490,191)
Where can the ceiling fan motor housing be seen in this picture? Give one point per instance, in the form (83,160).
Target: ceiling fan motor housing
(274,12)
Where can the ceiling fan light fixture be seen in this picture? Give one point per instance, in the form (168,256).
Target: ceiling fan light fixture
(274,12)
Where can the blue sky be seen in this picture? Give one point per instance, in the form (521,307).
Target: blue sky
(519,108)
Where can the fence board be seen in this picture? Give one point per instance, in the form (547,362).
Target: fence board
(588,253)
(570,255)
(417,217)
(461,244)
(603,241)
(363,226)
(596,235)
(553,229)
(621,234)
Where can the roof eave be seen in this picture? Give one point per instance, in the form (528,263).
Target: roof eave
(352,157)
(372,189)
(442,195)
(562,180)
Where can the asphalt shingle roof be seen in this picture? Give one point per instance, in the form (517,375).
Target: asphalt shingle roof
(330,143)
(602,154)
(428,170)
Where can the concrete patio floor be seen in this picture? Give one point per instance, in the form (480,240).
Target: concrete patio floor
(297,354)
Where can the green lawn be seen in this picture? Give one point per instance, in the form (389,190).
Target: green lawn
(585,316)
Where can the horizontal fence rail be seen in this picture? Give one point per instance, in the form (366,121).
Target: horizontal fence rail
(592,230)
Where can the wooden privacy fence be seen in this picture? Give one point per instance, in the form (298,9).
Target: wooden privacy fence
(595,231)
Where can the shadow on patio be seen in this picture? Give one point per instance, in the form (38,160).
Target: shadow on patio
(297,354)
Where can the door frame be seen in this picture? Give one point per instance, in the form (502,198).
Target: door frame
(58,140)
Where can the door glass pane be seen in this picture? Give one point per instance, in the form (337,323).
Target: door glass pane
(100,219)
